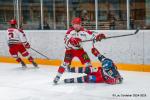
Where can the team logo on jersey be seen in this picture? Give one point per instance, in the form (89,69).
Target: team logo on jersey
(83,35)
(85,57)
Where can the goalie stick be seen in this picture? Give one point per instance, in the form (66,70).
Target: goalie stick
(137,30)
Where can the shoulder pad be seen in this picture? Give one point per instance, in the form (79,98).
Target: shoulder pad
(69,30)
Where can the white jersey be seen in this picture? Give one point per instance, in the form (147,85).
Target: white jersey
(15,36)
(82,34)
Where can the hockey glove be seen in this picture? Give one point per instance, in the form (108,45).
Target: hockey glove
(27,45)
(99,37)
(75,41)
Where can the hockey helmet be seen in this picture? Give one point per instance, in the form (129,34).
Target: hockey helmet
(76,20)
(13,22)
(109,68)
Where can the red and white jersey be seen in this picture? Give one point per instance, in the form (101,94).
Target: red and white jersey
(15,36)
(82,34)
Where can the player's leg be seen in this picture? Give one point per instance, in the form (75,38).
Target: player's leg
(76,69)
(82,79)
(96,53)
(26,54)
(61,70)
(13,50)
(86,70)
(84,58)
(67,61)
(30,58)
(18,59)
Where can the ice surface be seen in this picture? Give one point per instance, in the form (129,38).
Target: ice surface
(36,84)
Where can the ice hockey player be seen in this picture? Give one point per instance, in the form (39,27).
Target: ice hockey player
(74,48)
(108,73)
(17,43)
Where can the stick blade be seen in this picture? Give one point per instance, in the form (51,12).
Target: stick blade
(137,30)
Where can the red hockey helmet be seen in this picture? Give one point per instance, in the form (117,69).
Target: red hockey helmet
(76,20)
(13,21)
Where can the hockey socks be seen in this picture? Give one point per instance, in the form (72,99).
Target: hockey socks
(22,62)
(61,70)
(85,70)
(82,79)
(32,61)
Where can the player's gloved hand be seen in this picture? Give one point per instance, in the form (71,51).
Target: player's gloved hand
(99,37)
(75,41)
(95,52)
(27,45)
(119,80)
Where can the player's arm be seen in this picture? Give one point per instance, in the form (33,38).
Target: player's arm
(96,53)
(23,39)
(94,36)
(71,41)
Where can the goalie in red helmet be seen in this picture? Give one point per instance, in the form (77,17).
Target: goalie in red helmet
(18,43)
(73,43)
(108,73)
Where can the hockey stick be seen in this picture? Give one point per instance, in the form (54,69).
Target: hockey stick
(137,30)
(40,53)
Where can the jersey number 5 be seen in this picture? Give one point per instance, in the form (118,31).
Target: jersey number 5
(11,35)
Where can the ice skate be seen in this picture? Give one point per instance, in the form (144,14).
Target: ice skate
(24,66)
(35,64)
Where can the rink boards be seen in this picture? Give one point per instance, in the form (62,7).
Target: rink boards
(128,67)
(130,53)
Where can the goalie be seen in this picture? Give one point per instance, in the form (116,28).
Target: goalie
(108,73)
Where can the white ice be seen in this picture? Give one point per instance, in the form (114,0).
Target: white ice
(36,84)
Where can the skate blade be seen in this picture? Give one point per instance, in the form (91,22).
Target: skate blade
(36,67)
